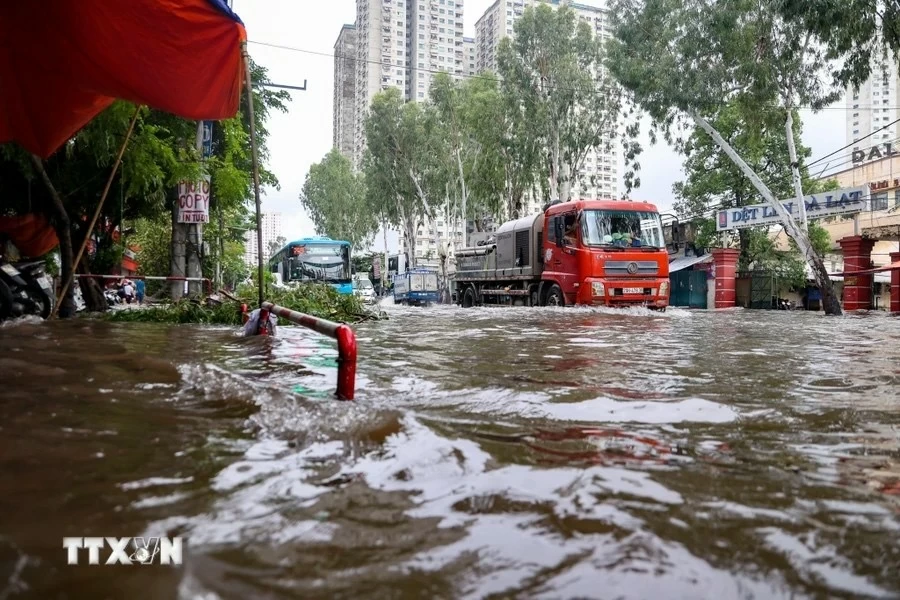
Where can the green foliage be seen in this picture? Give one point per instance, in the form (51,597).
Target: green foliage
(401,163)
(714,180)
(153,237)
(687,59)
(318,300)
(862,33)
(552,69)
(160,153)
(335,199)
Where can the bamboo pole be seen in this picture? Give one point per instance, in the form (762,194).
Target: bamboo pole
(87,236)
(259,244)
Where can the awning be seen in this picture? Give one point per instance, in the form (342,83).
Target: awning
(63,61)
(683,262)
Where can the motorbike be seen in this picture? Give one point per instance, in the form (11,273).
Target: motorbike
(112,298)
(25,289)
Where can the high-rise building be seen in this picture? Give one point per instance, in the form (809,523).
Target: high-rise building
(381,59)
(873,106)
(345,90)
(598,178)
(271,231)
(469,56)
(402,44)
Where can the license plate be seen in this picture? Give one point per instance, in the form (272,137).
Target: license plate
(44,282)
(633,290)
(9,270)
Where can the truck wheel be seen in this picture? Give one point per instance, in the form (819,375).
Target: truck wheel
(555,296)
(469,298)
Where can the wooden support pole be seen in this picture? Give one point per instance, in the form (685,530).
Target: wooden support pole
(70,276)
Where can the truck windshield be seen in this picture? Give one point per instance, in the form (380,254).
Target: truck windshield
(622,228)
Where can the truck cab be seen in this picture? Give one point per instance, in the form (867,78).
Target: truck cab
(609,253)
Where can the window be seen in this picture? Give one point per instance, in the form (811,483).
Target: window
(880,201)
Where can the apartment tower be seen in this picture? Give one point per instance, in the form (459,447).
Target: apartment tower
(345,91)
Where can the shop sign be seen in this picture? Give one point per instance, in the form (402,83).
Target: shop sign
(818,206)
(885,184)
(874,153)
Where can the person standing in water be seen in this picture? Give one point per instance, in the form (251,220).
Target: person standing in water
(139,291)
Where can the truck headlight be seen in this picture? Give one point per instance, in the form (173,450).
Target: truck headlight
(597,288)
(663,288)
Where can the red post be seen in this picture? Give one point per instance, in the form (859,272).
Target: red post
(857,257)
(895,284)
(346,339)
(725,263)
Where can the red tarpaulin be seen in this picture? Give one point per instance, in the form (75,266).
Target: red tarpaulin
(30,233)
(63,61)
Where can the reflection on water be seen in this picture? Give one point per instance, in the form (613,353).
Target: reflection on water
(546,453)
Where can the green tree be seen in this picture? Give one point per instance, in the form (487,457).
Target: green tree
(335,199)
(400,163)
(553,69)
(275,245)
(160,153)
(864,34)
(714,181)
(687,58)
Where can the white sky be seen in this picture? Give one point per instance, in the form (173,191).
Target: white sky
(303,136)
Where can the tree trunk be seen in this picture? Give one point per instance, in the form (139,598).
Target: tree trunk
(795,169)
(177,266)
(91,290)
(192,259)
(829,300)
(553,180)
(58,216)
(565,182)
(464,197)
(410,234)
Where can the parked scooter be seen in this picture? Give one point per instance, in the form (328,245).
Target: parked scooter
(25,289)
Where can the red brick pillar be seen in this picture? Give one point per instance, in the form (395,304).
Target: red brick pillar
(725,262)
(857,257)
(895,284)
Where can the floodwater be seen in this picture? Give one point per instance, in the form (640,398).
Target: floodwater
(491,453)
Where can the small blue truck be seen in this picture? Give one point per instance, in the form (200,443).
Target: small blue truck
(416,287)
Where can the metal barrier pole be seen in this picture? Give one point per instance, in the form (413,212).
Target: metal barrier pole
(346,339)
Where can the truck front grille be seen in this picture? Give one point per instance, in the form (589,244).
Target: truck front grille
(619,268)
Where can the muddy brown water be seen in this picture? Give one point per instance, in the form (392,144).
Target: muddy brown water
(491,453)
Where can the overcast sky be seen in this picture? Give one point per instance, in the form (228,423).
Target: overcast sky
(303,136)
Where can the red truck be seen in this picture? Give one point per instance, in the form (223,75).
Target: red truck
(590,252)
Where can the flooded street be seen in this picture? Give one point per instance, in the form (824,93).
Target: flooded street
(514,453)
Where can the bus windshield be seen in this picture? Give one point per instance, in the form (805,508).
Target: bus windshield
(320,262)
(622,228)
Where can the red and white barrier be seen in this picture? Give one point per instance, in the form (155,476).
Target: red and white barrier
(346,339)
(206,280)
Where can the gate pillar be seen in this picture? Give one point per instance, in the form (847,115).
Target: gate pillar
(725,262)
(895,284)
(857,257)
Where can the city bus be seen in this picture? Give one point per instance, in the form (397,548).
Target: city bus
(316,260)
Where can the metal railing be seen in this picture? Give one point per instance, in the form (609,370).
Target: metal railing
(205,280)
(346,339)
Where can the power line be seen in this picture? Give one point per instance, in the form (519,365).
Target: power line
(332,55)
(853,143)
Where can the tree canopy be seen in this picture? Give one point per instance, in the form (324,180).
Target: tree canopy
(335,199)
(683,60)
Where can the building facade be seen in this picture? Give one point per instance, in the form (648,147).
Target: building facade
(344,128)
(598,178)
(271,231)
(874,106)
(381,59)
